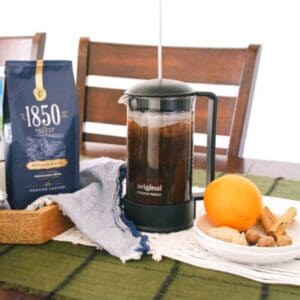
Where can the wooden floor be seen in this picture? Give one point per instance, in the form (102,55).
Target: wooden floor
(245,166)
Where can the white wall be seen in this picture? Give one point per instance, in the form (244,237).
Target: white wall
(274,121)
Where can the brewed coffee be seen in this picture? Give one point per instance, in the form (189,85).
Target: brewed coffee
(159,157)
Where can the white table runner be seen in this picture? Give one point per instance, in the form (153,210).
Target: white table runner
(183,246)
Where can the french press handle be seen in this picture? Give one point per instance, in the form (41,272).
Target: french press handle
(211,133)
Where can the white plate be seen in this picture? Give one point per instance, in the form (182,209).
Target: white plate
(247,254)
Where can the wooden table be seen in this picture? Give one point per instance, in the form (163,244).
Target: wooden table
(241,165)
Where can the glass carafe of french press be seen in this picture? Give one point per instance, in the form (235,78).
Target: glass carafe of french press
(160,119)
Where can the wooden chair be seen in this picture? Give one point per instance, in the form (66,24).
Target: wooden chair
(233,68)
(22,47)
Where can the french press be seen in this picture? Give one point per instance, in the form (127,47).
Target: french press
(160,120)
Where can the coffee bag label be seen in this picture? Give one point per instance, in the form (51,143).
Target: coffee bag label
(47,164)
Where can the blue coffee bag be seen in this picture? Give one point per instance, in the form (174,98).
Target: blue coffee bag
(41,130)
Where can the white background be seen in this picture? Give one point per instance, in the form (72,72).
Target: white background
(273,131)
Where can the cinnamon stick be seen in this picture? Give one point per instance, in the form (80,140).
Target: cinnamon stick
(282,222)
(268,220)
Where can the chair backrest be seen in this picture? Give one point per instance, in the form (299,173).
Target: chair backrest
(22,47)
(101,65)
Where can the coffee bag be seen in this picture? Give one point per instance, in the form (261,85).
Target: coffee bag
(41,130)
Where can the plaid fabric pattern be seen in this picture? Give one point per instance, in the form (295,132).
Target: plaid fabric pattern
(59,270)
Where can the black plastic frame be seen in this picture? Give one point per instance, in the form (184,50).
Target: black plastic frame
(159,218)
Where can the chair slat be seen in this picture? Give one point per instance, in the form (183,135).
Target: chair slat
(102,106)
(104,139)
(187,64)
(195,64)
(122,60)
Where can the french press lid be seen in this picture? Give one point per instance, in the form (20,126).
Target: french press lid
(160,88)
(161,95)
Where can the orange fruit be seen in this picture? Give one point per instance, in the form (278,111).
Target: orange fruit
(234,201)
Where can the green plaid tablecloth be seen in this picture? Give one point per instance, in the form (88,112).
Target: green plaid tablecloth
(60,270)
